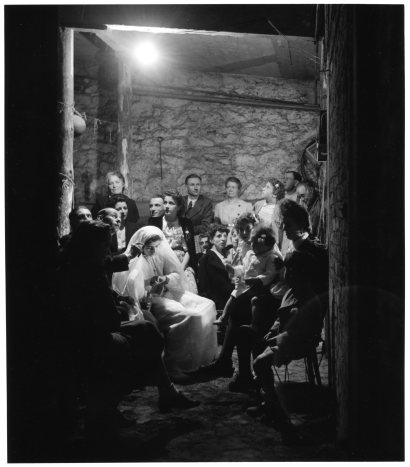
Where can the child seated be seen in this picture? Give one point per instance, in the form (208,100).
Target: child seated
(260,269)
(241,235)
(232,249)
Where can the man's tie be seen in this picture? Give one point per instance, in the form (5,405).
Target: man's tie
(190,205)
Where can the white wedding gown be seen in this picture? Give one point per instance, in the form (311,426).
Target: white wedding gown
(185,318)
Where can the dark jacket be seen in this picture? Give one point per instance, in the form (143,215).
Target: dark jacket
(115,263)
(320,280)
(130,229)
(102,202)
(213,280)
(88,308)
(201,215)
(188,230)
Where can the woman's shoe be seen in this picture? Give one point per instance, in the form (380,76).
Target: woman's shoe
(176,401)
(214,369)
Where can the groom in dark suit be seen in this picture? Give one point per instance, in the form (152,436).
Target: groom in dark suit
(198,208)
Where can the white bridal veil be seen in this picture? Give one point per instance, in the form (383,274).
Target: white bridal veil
(140,270)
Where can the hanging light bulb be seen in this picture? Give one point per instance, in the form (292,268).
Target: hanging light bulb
(146,53)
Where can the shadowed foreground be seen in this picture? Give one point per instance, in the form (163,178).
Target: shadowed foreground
(218,430)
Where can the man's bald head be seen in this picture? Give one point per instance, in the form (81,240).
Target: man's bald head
(111,217)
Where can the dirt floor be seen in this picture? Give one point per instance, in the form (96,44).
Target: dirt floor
(218,430)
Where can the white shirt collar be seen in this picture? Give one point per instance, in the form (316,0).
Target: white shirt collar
(221,257)
(300,240)
(192,200)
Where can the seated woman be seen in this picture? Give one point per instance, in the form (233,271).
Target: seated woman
(260,269)
(115,186)
(127,228)
(226,212)
(266,210)
(157,277)
(178,230)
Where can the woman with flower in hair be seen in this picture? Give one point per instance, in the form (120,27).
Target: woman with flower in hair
(266,210)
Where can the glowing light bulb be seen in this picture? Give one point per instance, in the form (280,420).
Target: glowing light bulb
(146,53)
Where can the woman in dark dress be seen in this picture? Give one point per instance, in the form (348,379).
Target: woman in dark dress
(115,186)
(127,228)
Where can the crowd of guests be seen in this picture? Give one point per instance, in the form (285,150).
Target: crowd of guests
(144,302)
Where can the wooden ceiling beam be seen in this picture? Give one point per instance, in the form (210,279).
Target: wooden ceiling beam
(294,20)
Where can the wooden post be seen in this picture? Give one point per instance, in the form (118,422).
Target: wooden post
(64,156)
(125,92)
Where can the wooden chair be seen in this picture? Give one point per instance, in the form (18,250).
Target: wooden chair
(312,365)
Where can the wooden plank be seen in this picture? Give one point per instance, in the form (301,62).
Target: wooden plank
(64,156)
(125,94)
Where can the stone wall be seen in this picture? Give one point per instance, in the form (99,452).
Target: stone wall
(339,78)
(95,151)
(212,139)
(366,225)
(217,140)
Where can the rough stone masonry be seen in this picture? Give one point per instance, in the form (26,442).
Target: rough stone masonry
(215,140)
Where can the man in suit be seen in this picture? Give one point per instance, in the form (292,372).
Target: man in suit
(198,208)
(127,228)
(214,282)
(76,216)
(156,206)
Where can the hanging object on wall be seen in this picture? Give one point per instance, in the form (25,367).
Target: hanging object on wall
(160,139)
(97,122)
(322,147)
(79,123)
(109,131)
(309,165)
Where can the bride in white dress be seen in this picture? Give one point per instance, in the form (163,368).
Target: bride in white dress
(185,318)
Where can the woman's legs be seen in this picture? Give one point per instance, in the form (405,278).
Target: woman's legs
(223,319)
